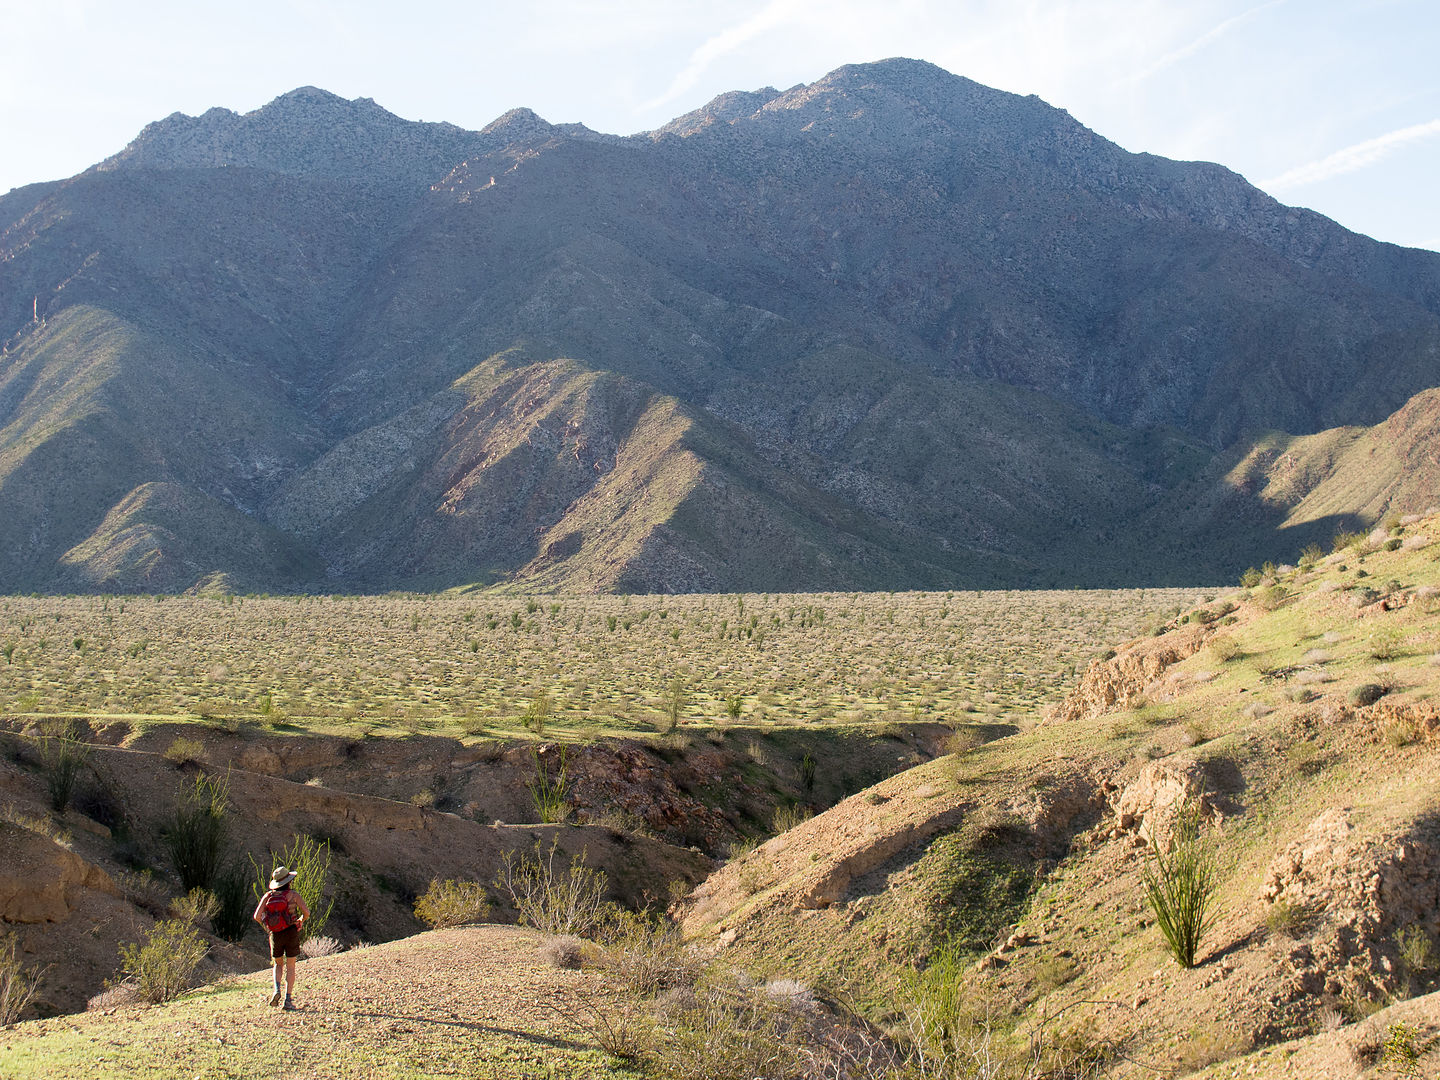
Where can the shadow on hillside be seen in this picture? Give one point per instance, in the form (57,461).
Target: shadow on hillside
(553,1042)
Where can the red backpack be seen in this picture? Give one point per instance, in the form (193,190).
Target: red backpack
(275,911)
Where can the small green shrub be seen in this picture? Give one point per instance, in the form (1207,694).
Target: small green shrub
(452,903)
(788,816)
(1387,645)
(1180,886)
(184,750)
(1401,1050)
(1367,694)
(163,965)
(1225,648)
(552,896)
(677,697)
(1417,955)
(195,905)
(1346,539)
(538,712)
(1286,918)
(733,705)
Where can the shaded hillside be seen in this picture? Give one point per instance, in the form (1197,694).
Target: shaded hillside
(1301,716)
(904,329)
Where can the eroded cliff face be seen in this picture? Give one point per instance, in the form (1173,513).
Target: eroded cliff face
(1136,673)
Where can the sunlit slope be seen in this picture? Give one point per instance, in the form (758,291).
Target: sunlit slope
(92,407)
(1302,716)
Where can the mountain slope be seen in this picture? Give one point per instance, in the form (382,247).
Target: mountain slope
(974,341)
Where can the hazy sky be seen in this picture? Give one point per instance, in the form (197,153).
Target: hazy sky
(1331,104)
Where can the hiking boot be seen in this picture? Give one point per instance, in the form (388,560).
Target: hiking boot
(289,1005)
(275,997)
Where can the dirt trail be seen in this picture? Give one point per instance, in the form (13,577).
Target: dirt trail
(478,1001)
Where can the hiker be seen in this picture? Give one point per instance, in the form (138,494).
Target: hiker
(282,911)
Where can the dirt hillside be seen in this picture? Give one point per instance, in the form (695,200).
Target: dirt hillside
(478,1002)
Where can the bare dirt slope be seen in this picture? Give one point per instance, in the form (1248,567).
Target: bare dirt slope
(478,1001)
(73,892)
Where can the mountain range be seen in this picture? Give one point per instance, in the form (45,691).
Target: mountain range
(892,329)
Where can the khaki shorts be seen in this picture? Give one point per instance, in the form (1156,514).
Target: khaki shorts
(285,942)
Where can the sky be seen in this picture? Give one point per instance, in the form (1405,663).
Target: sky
(1328,104)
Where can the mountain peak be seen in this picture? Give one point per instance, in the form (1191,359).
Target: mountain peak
(306,131)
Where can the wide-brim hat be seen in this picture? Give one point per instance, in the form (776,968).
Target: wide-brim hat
(281,877)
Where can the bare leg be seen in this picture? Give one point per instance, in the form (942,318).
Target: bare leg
(289,975)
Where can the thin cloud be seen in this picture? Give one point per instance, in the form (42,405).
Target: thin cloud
(1205,40)
(773,14)
(1351,159)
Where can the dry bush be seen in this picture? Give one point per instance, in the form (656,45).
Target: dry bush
(319,946)
(452,903)
(645,954)
(1224,648)
(565,952)
(18,981)
(552,896)
(184,750)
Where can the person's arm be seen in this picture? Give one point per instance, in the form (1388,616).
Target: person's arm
(260,907)
(304,911)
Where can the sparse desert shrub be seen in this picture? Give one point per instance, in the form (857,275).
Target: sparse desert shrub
(310,859)
(552,896)
(1346,538)
(1401,1049)
(646,954)
(1310,555)
(963,741)
(184,750)
(195,905)
(740,847)
(1225,648)
(1402,731)
(18,981)
(788,815)
(1180,886)
(1250,578)
(1367,694)
(733,705)
(1387,645)
(726,1030)
(1286,918)
(62,758)
(319,946)
(677,696)
(163,965)
(198,830)
(1417,955)
(452,903)
(565,952)
(537,713)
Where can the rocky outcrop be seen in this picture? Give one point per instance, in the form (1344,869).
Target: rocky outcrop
(40,881)
(1364,890)
(1127,678)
